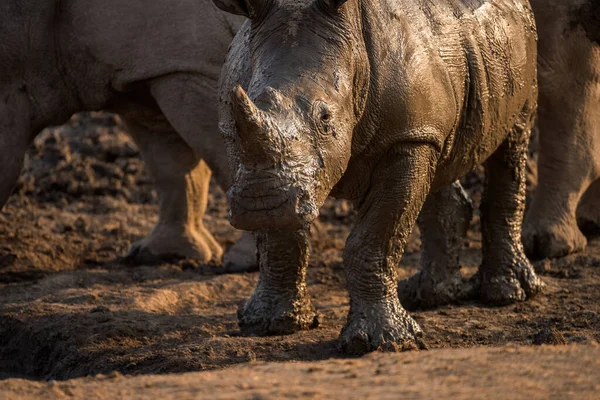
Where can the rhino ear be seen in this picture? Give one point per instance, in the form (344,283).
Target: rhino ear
(233,6)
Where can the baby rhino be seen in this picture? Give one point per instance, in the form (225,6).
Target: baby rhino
(381,102)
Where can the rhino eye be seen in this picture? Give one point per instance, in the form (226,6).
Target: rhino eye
(325,117)
(322,112)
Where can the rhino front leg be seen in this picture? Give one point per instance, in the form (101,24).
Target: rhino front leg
(443,222)
(182,182)
(386,217)
(506,274)
(280,303)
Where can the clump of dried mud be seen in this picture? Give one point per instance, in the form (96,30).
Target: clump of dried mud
(69,307)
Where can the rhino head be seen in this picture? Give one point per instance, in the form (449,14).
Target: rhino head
(294,124)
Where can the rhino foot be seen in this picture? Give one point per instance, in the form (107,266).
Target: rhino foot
(164,245)
(241,257)
(552,240)
(265,315)
(423,291)
(512,282)
(386,327)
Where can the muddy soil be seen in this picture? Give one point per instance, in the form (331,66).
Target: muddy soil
(70,307)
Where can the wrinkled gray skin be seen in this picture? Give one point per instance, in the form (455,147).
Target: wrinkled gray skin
(156,64)
(568,189)
(380,102)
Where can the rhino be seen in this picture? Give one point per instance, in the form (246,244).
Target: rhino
(155,64)
(568,192)
(385,103)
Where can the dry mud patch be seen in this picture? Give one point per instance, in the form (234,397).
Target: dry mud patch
(69,307)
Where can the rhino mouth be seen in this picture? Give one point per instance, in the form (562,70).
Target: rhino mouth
(268,205)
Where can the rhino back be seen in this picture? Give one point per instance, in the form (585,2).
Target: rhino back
(138,40)
(466,67)
(501,80)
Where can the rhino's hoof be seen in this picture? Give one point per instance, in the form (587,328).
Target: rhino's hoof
(165,246)
(552,241)
(386,328)
(422,291)
(506,284)
(265,315)
(242,257)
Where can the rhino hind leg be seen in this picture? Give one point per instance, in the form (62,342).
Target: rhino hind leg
(550,228)
(189,103)
(443,222)
(280,303)
(569,138)
(588,212)
(182,183)
(506,275)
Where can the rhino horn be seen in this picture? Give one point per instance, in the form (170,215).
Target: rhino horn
(252,127)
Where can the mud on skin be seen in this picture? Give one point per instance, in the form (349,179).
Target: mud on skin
(280,304)
(381,103)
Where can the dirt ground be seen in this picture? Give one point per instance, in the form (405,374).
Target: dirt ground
(70,307)
(546,372)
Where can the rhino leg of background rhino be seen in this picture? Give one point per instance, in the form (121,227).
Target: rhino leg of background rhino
(588,212)
(569,123)
(506,274)
(443,222)
(564,169)
(182,182)
(385,220)
(280,303)
(189,103)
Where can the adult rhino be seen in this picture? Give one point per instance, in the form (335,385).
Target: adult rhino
(568,189)
(157,65)
(381,102)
